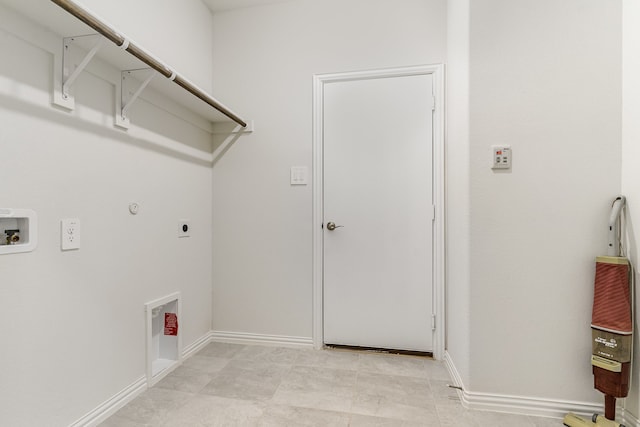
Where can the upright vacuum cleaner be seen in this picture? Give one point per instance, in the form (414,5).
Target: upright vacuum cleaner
(611,327)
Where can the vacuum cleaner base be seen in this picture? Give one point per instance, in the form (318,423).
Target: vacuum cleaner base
(572,420)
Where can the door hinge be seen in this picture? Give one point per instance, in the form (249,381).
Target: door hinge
(433,103)
(433,212)
(433,322)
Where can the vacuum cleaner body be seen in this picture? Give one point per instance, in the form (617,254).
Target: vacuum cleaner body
(611,327)
(611,319)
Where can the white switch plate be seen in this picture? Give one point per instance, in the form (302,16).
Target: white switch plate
(299,175)
(501,156)
(70,234)
(184,228)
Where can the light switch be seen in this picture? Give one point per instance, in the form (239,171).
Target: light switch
(70,234)
(299,175)
(501,156)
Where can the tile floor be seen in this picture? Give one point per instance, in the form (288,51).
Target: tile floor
(245,385)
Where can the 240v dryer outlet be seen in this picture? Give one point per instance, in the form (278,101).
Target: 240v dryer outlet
(184,228)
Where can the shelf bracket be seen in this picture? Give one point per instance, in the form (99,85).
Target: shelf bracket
(71,71)
(129,95)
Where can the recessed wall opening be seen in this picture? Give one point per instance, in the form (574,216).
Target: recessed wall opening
(18,230)
(164,346)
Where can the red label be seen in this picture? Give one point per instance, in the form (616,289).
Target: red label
(170,324)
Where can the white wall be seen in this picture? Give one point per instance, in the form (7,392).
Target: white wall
(630,159)
(544,78)
(74,322)
(457,181)
(264,60)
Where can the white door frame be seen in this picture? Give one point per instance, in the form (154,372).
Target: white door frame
(319,80)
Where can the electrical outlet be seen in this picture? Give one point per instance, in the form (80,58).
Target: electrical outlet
(184,228)
(70,234)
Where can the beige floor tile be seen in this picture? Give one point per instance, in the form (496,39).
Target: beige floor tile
(393,390)
(289,416)
(437,370)
(317,388)
(214,411)
(246,380)
(546,422)
(393,364)
(457,416)
(443,394)
(153,405)
(381,407)
(268,354)
(205,364)
(497,419)
(185,379)
(358,420)
(221,349)
(338,359)
(117,421)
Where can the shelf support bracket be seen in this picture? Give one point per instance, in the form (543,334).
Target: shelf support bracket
(129,95)
(70,71)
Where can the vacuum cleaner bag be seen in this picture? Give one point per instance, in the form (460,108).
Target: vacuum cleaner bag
(611,320)
(612,296)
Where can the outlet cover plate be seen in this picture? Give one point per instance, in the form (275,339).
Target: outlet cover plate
(70,234)
(299,175)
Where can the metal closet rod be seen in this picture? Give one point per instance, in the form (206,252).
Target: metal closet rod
(121,41)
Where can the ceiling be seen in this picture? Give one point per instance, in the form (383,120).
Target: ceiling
(221,5)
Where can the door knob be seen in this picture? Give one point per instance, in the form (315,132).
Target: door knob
(332,226)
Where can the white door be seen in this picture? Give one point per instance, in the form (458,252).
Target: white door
(378,192)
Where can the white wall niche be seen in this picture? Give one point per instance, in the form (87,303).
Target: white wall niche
(18,230)
(164,350)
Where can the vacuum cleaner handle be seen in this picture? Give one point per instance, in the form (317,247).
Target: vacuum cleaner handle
(613,244)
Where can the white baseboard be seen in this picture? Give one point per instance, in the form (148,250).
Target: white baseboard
(627,418)
(519,404)
(275,340)
(195,347)
(111,406)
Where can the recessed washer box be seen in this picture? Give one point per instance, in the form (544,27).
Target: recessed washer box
(164,341)
(18,230)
